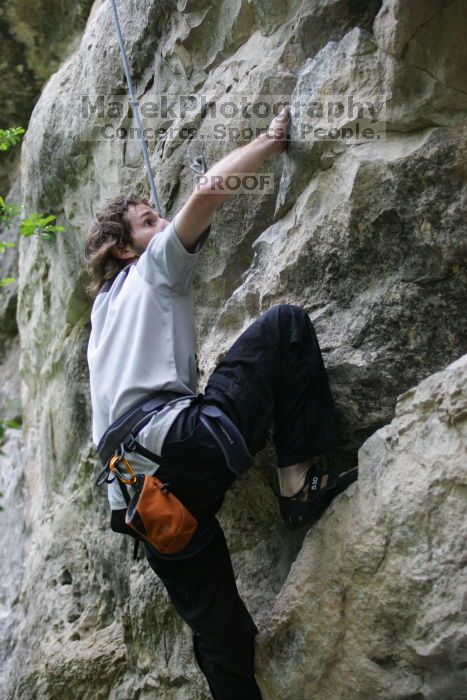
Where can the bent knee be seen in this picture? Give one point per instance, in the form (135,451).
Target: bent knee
(285,312)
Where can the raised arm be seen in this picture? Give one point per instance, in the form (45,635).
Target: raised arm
(196,215)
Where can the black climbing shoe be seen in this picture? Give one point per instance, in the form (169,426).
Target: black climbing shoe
(319,489)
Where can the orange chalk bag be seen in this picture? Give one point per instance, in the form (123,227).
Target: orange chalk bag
(153,512)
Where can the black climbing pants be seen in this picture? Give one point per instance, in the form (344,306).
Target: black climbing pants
(272,376)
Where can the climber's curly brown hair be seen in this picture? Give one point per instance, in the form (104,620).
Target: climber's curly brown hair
(106,231)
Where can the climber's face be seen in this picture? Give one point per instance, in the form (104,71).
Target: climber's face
(144,223)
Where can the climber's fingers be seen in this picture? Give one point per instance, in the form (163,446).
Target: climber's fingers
(279,126)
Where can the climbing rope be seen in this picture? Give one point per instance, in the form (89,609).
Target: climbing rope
(135,107)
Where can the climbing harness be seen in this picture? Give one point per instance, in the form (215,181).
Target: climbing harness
(153,512)
(120,437)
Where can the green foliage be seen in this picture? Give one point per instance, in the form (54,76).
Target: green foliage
(7,212)
(10,137)
(40,225)
(6,244)
(11,423)
(35,224)
(4,424)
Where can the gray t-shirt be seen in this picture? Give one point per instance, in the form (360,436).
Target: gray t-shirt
(143,338)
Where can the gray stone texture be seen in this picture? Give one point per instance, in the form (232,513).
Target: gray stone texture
(35,35)
(368,237)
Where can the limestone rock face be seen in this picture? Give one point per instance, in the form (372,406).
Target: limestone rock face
(367,236)
(9,269)
(34,37)
(373,263)
(374,604)
(13,505)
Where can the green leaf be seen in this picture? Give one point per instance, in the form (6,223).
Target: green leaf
(12,423)
(10,137)
(31,225)
(41,225)
(47,220)
(6,244)
(8,211)
(6,281)
(47,232)
(27,229)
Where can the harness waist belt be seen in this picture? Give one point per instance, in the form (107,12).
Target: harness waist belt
(123,432)
(132,421)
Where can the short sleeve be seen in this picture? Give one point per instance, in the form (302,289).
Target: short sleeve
(166,261)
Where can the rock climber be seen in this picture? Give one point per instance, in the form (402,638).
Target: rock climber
(143,339)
